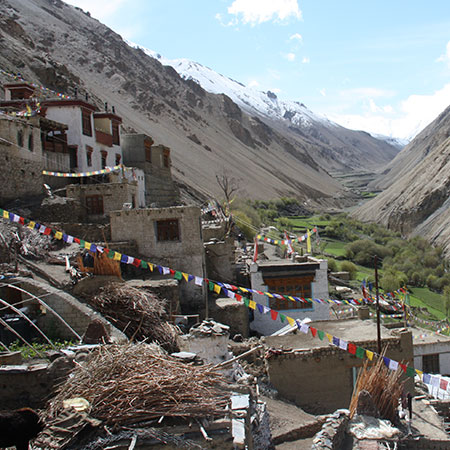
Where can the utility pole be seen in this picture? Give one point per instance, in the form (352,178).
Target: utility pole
(378,305)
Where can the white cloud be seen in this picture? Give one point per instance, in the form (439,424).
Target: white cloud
(305,60)
(290,56)
(366,92)
(405,121)
(98,8)
(254,12)
(446,56)
(297,37)
(323,92)
(253,84)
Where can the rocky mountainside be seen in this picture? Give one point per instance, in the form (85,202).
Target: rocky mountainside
(63,48)
(417,198)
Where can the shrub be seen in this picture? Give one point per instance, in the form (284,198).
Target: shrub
(332,265)
(348,266)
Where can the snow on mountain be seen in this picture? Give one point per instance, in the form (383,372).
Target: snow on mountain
(250,100)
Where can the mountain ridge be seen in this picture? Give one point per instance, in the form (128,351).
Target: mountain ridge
(63,48)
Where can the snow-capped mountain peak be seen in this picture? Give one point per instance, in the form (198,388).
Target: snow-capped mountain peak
(249,99)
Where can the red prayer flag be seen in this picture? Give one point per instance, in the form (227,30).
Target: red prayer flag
(47,231)
(238,297)
(255,254)
(313,331)
(404,367)
(136,262)
(273,314)
(444,384)
(351,348)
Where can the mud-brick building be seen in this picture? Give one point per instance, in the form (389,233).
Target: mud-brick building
(306,278)
(167,236)
(139,151)
(102,198)
(318,376)
(28,146)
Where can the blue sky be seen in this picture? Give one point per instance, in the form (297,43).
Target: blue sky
(380,66)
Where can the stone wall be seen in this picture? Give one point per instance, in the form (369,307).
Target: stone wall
(185,253)
(333,431)
(220,259)
(233,314)
(160,189)
(114,194)
(21,168)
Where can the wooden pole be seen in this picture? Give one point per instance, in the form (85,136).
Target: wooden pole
(378,306)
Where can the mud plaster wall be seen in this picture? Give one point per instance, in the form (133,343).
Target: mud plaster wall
(185,254)
(21,169)
(321,381)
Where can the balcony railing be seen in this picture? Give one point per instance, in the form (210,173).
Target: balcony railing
(103,138)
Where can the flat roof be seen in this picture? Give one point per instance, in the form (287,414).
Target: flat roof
(351,330)
(423,336)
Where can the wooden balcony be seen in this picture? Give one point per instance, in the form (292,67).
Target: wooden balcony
(103,138)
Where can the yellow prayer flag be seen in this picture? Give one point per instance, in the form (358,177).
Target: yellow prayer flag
(419,372)
(369,354)
(308,242)
(269,294)
(252,304)
(185,276)
(329,337)
(31,224)
(5,214)
(243,289)
(150,266)
(217,289)
(117,256)
(87,245)
(291,321)
(58,235)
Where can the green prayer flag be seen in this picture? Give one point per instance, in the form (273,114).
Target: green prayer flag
(282,317)
(410,372)
(246,301)
(211,286)
(321,334)
(110,254)
(360,352)
(144,264)
(178,275)
(82,243)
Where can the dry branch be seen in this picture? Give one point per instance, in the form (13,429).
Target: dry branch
(135,382)
(139,314)
(384,385)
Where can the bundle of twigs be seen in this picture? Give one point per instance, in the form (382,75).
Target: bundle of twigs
(384,385)
(134,382)
(139,314)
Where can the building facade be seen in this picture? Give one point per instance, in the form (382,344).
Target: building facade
(154,160)
(307,279)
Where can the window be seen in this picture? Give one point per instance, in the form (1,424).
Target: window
(86,122)
(104,156)
(166,159)
(430,363)
(89,151)
(115,133)
(94,204)
(293,286)
(167,230)
(30,142)
(73,156)
(118,158)
(20,138)
(148,151)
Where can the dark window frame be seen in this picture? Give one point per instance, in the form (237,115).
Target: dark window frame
(430,363)
(89,151)
(86,122)
(94,204)
(168,230)
(292,286)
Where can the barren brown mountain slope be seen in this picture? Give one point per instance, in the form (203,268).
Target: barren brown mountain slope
(61,47)
(417,200)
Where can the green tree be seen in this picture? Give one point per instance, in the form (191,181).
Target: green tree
(447,299)
(348,266)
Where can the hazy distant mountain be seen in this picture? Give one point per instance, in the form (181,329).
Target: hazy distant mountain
(417,198)
(61,47)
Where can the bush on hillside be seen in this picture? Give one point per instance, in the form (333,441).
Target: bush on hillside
(348,266)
